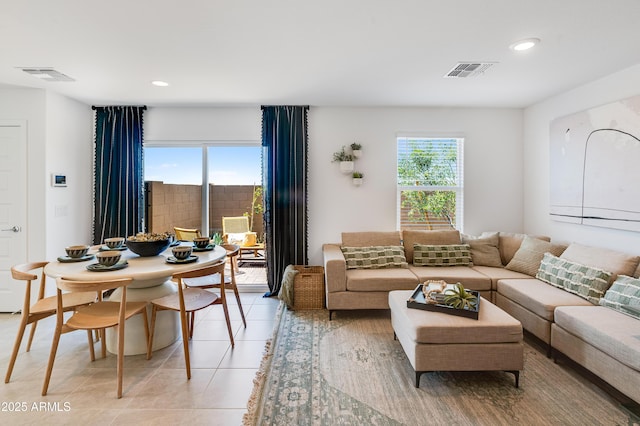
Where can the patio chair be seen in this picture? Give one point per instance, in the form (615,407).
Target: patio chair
(236,230)
(186,234)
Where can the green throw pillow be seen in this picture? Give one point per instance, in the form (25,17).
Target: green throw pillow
(375,257)
(624,296)
(584,281)
(441,255)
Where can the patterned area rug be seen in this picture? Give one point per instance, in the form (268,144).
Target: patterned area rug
(351,371)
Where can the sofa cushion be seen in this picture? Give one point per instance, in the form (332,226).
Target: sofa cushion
(375,257)
(636,274)
(496,274)
(614,261)
(410,238)
(373,238)
(585,281)
(510,243)
(624,296)
(441,255)
(368,280)
(484,250)
(611,332)
(528,257)
(538,296)
(467,276)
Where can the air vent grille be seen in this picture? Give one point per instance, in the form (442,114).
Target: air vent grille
(47,74)
(468,69)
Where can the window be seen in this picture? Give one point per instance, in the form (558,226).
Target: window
(430,183)
(173,164)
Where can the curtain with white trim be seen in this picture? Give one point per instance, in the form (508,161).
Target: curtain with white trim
(118,172)
(284,140)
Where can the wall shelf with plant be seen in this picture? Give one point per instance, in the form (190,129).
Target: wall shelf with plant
(346,160)
(357,178)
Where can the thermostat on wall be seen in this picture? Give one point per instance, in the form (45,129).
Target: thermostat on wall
(58,179)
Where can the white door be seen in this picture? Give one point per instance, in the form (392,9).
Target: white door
(13,210)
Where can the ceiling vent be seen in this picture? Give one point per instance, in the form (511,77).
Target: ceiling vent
(468,69)
(47,74)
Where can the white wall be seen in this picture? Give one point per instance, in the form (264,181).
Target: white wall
(29,105)
(203,124)
(537,118)
(69,150)
(493,163)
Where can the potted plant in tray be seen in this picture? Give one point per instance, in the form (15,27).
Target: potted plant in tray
(460,298)
(356,149)
(357,178)
(345,160)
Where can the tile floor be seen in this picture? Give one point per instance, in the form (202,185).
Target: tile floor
(155,391)
(251,277)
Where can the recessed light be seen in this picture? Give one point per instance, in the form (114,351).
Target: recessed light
(525,44)
(160,83)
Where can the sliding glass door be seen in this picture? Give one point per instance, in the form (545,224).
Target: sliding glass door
(194,186)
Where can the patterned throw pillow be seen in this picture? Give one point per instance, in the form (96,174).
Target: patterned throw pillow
(584,281)
(441,255)
(624,296)
(375,257)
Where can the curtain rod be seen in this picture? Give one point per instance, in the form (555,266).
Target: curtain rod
(144,107)
(267,106)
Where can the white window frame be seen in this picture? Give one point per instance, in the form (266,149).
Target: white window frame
(457,189)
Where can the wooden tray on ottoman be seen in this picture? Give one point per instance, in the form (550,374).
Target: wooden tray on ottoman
(417,301)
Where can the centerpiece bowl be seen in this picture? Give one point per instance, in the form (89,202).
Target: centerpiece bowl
(146,245)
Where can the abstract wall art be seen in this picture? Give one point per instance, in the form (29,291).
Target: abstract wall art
(595,166)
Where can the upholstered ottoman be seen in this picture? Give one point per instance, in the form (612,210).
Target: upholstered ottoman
(435,341)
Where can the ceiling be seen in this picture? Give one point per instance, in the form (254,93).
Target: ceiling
(324,53)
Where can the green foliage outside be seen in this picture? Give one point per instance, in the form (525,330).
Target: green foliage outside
(423,165)
(257,207)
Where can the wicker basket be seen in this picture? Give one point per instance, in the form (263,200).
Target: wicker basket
(308,287)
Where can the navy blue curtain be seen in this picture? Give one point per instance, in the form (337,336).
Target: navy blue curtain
(118,172)
(284,141)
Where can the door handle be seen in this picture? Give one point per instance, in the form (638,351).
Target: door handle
(13,229)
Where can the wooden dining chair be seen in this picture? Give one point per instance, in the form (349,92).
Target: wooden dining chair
(186,234)
(43,307)
(100,315)
(215,281)
(187,301)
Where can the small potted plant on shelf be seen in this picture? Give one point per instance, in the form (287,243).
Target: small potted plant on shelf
(356,149)
(357,178)
(345,160)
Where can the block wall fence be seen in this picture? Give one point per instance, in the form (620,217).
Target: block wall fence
(170,205)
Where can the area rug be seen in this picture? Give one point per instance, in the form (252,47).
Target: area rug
(351,371)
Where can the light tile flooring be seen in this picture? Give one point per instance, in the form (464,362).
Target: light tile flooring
(252,277)
(155,391)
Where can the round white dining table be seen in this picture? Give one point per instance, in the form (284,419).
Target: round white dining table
(151,279)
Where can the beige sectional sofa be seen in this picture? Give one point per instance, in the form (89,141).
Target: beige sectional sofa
(504,268)
(355,288)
